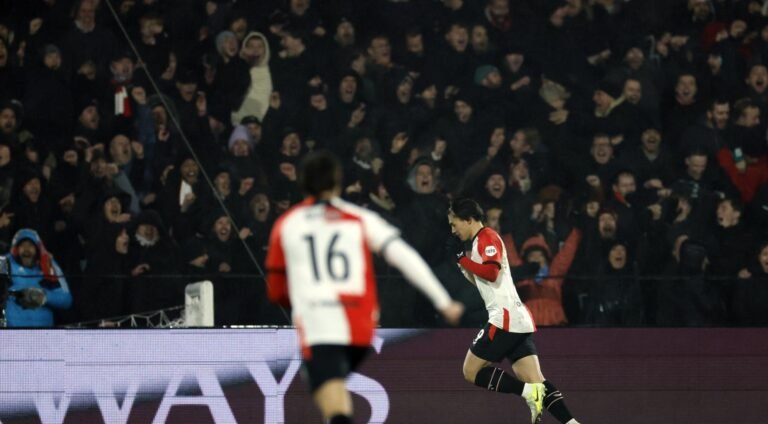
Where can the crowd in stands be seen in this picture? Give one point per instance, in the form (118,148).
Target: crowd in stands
(619,146)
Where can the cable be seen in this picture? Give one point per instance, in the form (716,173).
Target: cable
(174,118)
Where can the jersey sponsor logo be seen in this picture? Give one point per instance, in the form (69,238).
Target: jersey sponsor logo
(490,251)
(479,336)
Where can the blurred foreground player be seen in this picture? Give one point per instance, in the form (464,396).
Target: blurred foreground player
(319,262)
(509,331)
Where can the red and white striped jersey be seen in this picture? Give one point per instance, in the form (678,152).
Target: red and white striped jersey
(324,248)
(505,309)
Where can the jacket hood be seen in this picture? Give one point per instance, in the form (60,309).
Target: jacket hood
(267,53)
(23,234)
(536,242)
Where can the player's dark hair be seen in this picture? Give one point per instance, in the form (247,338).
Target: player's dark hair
(320,171)
(466,209)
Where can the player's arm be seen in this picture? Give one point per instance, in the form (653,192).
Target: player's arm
(384,239)
(490,249)
(403,257)
(277,281)
(488,271)
(277,287)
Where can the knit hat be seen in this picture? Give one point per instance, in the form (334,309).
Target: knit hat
(150,217)
(83,102)
(610,87)
(186,76)
(240,132)
(250,119)
(223,35)
(482,72)
(51,49)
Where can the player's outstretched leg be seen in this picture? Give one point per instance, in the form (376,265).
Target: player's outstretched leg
(555,404)
(497,380)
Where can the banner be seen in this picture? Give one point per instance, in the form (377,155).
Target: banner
(412,376)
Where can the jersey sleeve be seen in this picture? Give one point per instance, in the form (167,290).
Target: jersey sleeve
(489,247)
(277,283)
(275,256)
(378,232)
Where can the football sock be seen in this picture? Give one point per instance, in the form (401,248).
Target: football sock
(340,419)
(554,403)
(496,380)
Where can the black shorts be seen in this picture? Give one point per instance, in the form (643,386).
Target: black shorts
(494,344)
(328,362)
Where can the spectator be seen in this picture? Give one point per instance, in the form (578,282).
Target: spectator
(523,188)
(153,45)
(542,294)
(700,175)
(223,189)
(255,52)
(10,123)
(418,204)
(154,263)
(652,162)
(625,201)
(751,291)
(86,40)
(615,299)
(684,108)
(226,257)
(612,116)
(597,172)
(11,76)
(89,126)
(483,48)
(7,173)
(711,132)
(48,97)
(242,159)
(232,76)
(459,130)
(105,289)
(259,220)
(414,55)
(37,285)
(637,106)
(456,67)
(294,67)
(128,156)
(185,199)
(527,144)
(689,297)
(191,105)
(746,159)
(734,244)
(31,206)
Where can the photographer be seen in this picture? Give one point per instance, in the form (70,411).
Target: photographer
(36,283)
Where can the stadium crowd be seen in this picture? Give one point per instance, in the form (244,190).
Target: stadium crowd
(618,145)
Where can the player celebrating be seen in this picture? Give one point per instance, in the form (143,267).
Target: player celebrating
(509,331)
(319,262)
